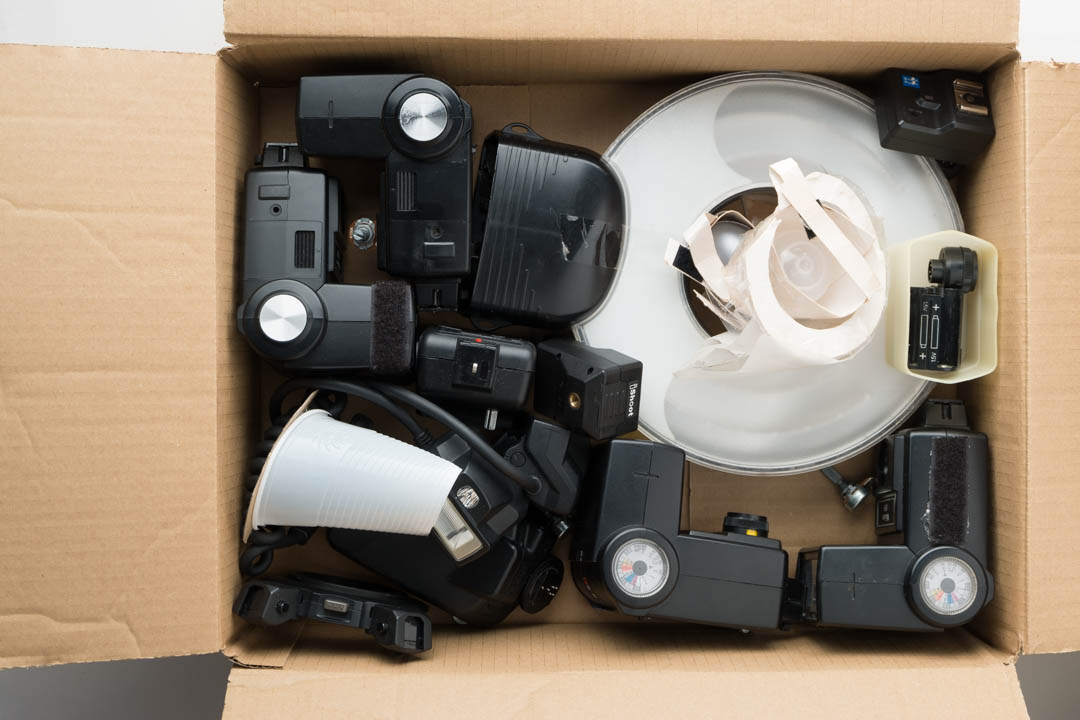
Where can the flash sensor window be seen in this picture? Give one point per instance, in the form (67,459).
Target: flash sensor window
(455,534)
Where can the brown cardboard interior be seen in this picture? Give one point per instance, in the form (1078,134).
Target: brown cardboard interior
(990,691)
(1052,115)
(926,21)
(529,60)
(488,41)
(108,367)
(803,510)
(663,670)
(127,413)
(236,131)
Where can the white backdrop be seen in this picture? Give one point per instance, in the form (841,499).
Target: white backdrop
(193,687)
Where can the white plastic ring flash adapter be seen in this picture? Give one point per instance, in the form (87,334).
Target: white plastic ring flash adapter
(692,153)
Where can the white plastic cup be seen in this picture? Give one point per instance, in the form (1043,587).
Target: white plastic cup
(323,472)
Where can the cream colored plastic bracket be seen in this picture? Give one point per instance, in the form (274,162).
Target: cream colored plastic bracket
(978,342)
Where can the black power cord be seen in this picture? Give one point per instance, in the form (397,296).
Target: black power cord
(384,395)
(529,483)
(421,437)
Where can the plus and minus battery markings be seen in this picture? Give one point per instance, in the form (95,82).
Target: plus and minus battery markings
(929,331)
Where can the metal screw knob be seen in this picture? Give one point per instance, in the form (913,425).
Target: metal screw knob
(851,495)
(362,232)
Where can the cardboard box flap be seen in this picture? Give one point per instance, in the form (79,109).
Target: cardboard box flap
(994,208)
(982,22)
(1052,111)
(108,367)
(656,671)
(487,41)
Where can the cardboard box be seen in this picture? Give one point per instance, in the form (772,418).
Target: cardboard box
(128,403)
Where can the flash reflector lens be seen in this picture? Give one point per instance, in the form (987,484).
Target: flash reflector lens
(458,538)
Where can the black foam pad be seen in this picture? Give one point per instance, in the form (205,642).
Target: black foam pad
(393,327)
(948,491)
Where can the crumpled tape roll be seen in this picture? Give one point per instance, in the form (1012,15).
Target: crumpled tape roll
(754,284)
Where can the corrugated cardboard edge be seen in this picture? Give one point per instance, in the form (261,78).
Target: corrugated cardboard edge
(259,647)
(509,60)
(1052,149)
(236,138)
(107,383)
(488,41)
(654,669)
(1027,206)
(988,22)
(989,693)
(992,200)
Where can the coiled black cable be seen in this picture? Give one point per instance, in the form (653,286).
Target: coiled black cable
(421,437)
(259,553)
(259,549)
(529,483)
(262,450)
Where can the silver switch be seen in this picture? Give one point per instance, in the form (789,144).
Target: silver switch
(282,317)
(423,116)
